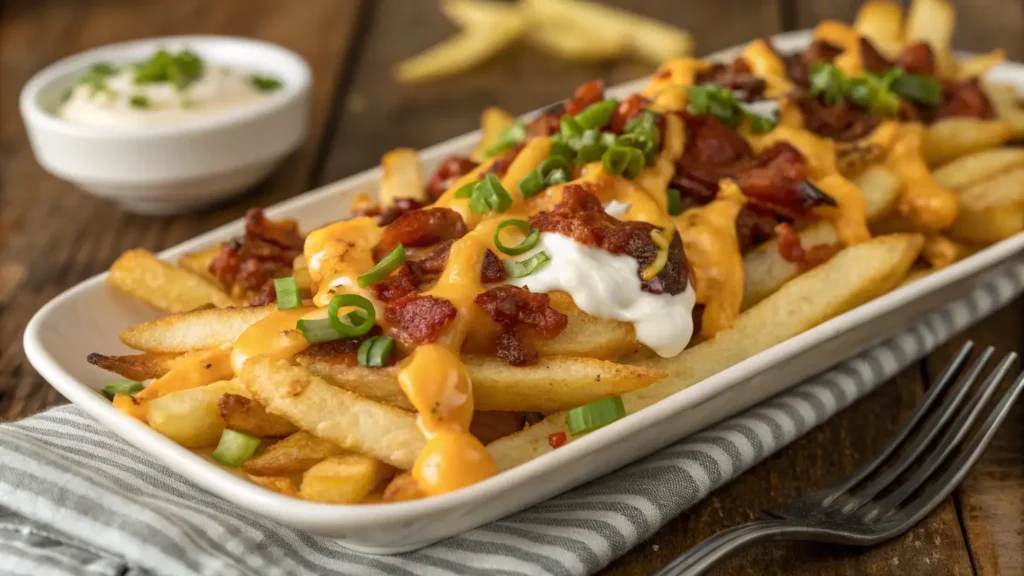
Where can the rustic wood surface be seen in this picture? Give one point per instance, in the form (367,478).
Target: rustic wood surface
(52,236)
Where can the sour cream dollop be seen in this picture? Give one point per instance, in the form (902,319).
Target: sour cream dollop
(606,285)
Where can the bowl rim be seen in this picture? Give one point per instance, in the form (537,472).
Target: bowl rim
(34,114)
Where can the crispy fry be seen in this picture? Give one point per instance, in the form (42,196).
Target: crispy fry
(247,415)
(854,276)
(978,167)
(978,66)
(163,286)
(478,13)
(460,52)
(196,330)
(197,370)
(402,488)
(932,21)
(198,263)
(136,366)
(280,484)
(991,210)
(401,177)
(191,417)
(345,479)
(1005,100)
(951,138)
(296,453)
(881,21)
(493,121)
(577,43)
(940,251)
(130,406)
(349,420)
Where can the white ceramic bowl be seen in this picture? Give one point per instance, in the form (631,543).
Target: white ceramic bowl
(181,167)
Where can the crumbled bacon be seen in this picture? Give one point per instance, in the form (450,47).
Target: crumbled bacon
(433,264)
(871,58)
(400,283)
(267,251)
(400,207)
(917,58)
(775,178)
(514,309)
(545,124)
(736,76)
(586,94)
(798,66)
(421,227)
(843,122)
(493,269)
(581,217)
(755,225)
(417,319)
(626,111)
(451,169)
(965,98)
(791,249)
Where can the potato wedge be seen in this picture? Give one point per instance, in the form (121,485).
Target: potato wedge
(196,330)
(191,417)
(978,167)
(344,479)
(951,138)
(351,421)
(933,21)
(553,383)
(247,415)
(163,286)
(401,178)
(493,121)
(854,276)
(585,335)
(765,270)
(1005,99)
(136,366)
(296,453)
(198,263)
(991,210)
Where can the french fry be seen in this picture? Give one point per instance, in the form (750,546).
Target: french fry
(248,416)
(460,52)
(294,454)
(402,488)
(198,263)
(1005,100)
(280,484)
(191,417)
(585,335)
(193,371)
(553,383)
(196,330)
(881,22)
(478,13)
(577,43)
(401,177)
(940,251)
(163,286)
(136,366)
(951,138)
(932,21)
(991,210)
(978,66)
(493,121)
(854,276)
(978,167)
(351,421)
(345,479)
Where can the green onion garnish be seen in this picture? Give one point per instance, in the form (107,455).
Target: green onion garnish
(922,89)
(386,266)
(623,161)
(180,69)
(570,128)
(265,83)
(531,184)
(376,351)
(287,290)
(466,190)
(532,236)
(355,328)
(129,387)
(597,115)
(761,124)
(508,138)
(708,99)
(96,77)
(489,194)
(828,83)
(526,267)
(318,331)
(675,202)
(590,153)
(560,148)
(139,101)
(595,415)
(235,448)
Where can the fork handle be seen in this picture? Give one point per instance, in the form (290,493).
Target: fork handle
(703,556)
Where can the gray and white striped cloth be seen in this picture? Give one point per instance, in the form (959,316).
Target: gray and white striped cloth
(76,500)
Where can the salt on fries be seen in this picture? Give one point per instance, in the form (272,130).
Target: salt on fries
(578,267)
(570,29)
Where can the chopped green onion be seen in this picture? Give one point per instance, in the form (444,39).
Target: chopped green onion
(708,99)
(526,267)
(265,83)
(386,266)
(287,290)
(139,101)
(354,329)
(129,387)
(96,77)
(761,124)
(597,115)
(623,161)
(561,149)
(376,351)
(489,194)
(556,165)
(180,69)
(862,92)
(886,104)
(675,202)
(531,184)
(318,331)
(642,143)
(508,138)
(595,415)
(235,448)
(921,89)
(570,128)
(590,153)
(466,191)
(828,82)
(532,236)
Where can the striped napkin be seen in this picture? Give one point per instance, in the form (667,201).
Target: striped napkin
(76,500)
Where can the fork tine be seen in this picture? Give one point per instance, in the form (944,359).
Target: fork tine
(958,469)
(953,436)
(923,439)
(948,375)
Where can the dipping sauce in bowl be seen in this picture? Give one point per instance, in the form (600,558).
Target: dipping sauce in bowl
(170,87)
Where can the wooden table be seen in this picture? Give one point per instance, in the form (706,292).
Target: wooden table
(52,236)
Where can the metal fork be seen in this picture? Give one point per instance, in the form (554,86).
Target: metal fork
(876,504)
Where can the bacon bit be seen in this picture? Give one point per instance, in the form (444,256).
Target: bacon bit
(585,95)
(626,111)
(267,295)
(400,283)
(432,264)
(421,227)
(792,251)
(400,207)
(493,270)
(798,66)
(266,251)
(515,349)
(871,58)
(418,319)
(735,76)
(754,225)
(964,99)
(917,58)
(547,124)
(843,122)
(452,168)
(775,179)
(511,306)
(556,439)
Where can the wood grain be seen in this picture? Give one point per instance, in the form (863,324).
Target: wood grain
(54,236)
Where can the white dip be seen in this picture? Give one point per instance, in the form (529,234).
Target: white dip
(607,285)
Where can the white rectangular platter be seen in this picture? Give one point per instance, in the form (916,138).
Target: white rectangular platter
(89,317)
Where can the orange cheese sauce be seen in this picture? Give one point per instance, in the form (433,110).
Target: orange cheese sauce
(275,336)
(928,206)
(192,372)
(337,254)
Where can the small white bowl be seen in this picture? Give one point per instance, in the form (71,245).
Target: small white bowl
(181,167)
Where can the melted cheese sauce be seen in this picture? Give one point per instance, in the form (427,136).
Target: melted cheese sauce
(606,285)
(275,336)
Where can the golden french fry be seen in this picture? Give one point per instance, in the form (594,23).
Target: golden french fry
(991,210)
(460,52)
(1005,100)
(951,138)
(345,479)
(402,488)
(401,178)
(163,286)
(978,66)
(246,415)
(493,121)
(198,263)
(933,21)
(881,22)
(978,167)
(280,484)
(296,453)
(577,43)
(940,251)
(191,417)
(855,275)
(196,330)
(136,366)
(479,13)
